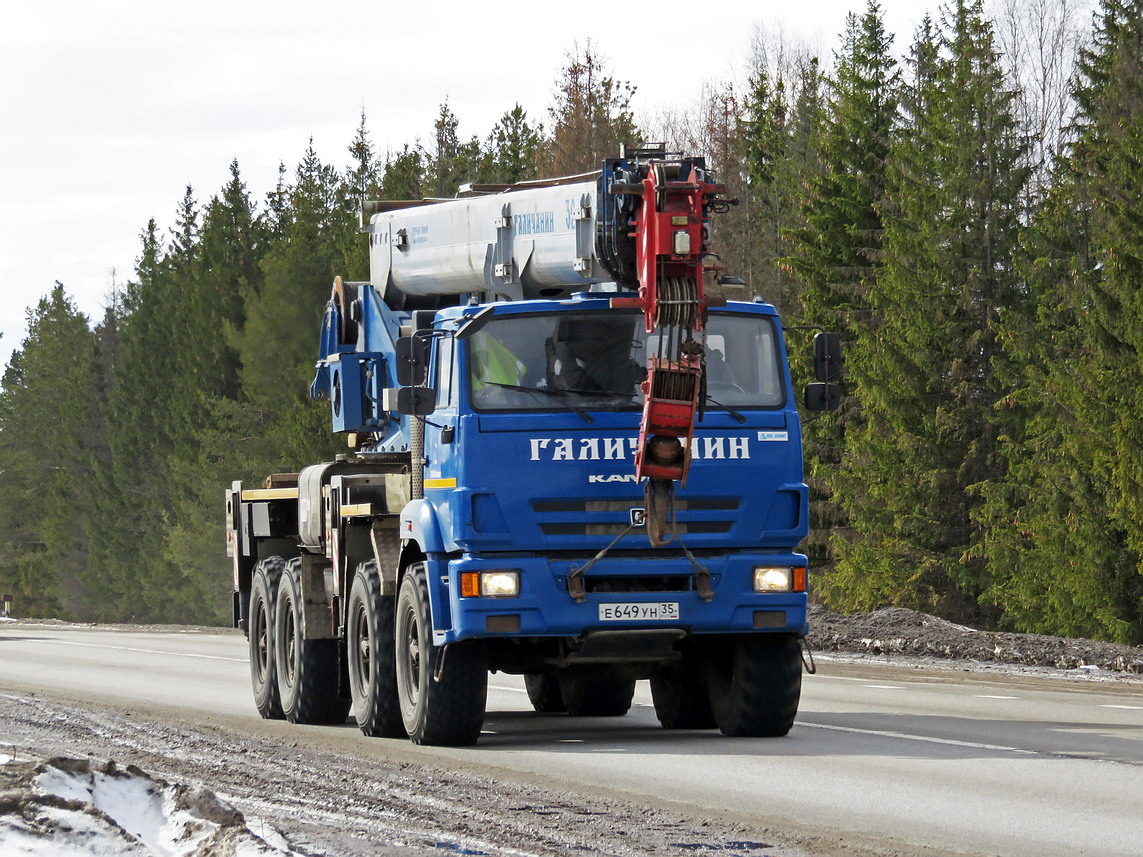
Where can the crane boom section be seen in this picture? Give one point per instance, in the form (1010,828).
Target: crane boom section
(519,244)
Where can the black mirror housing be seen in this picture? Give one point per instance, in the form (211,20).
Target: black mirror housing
(822,397)
(827,357)
(412,360)
(416,401)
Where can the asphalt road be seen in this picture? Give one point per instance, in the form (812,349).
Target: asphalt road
(911,757)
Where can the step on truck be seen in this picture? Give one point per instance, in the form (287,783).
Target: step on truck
(567,461)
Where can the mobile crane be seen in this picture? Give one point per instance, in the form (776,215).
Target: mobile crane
(567,462)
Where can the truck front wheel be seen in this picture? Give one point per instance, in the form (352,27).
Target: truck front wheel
(442,691)
(756,686)
(308,670)
(263,596)
(372,668)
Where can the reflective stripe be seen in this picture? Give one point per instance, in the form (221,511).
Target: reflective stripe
(440,483)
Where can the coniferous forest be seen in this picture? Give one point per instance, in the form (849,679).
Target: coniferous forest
(964,204)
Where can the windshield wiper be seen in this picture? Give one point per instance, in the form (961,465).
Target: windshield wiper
(726,408)
(545,391)
(619,394)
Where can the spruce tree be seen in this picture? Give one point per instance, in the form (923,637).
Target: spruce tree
(141,412)
(278,345)
(766,134)
(933,368)
(404,175)
(513,148)
(836,255)
(48,436)
(1065,543)
(204,456)
(452,162)
(362,183)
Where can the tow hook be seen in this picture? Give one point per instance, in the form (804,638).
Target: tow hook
(440,655)
(807,655)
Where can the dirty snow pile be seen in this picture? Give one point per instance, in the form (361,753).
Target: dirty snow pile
(73,808)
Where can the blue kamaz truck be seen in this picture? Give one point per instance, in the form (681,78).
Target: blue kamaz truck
(566,461)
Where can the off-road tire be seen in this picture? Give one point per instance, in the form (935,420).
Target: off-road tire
(442,704)
(544,693)
(307,670)
(756,686)
(370,653)
(596,697)
(260,634)
(681,697)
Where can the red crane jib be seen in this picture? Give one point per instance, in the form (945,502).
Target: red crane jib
(669,236)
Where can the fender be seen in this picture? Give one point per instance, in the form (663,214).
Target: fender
(419,524)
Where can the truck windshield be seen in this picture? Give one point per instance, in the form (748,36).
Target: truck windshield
(596,361)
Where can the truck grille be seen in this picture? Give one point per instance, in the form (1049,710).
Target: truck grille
(657,583)
(594,517)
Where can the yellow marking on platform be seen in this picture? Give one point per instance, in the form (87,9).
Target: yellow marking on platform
(270,494)
(352,509)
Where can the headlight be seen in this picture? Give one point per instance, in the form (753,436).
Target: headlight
(779,579)
(498,583)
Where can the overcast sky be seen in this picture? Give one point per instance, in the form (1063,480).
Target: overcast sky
(111,108)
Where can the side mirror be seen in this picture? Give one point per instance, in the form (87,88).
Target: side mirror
(822,397)
(412,360)
(416,401)
(827,357)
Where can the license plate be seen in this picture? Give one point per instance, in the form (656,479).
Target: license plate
(639,611)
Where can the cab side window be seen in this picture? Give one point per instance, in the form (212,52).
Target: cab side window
(445,371)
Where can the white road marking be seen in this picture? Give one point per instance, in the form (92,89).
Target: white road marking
(906,737)
(885,686)
(990,696)
(1128,707)
(141,651)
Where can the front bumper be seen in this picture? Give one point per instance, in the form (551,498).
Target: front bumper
(544,607)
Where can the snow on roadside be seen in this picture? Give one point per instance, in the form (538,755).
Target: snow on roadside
(72,808)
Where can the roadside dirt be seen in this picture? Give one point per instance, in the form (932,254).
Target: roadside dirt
(309,792)
(895,631)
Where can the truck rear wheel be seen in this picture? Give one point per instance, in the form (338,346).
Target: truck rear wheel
(681,697)
(544,693)
(755,688)
(596,697)
(263,597)
(307,670)
(370,650)
(442,702)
